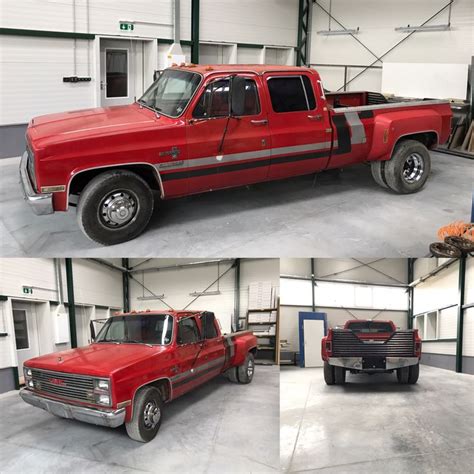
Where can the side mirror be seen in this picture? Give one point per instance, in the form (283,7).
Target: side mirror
(207,324)
(237,100)
(91,326)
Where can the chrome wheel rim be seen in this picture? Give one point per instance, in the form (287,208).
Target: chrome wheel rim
(413,168)
(250,369)
(118,209)
(151,415)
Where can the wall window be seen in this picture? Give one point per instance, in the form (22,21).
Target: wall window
(291,93)
(21,329)
(188,331)
(214,101)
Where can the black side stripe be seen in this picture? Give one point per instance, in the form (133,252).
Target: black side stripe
(192,377)
(366,114)
(343,134)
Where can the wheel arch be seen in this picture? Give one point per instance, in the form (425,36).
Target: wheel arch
(429,138)
(80,179)
(163,384)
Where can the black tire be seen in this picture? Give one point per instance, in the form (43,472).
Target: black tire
(413,374)
(377,173)
(143,427)
(118,187)
(444,250)
(328,374)
(409,167)
(403,375)
(339,375)
(231,374)
(246,370)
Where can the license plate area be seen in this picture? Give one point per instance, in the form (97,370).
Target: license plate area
(374,363)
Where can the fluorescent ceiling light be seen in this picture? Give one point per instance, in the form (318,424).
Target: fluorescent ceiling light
(153,297)
(410,29)
(338,32)
(205,293)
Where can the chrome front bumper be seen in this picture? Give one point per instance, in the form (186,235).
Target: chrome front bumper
(355,363)
(112,419)
(40,203)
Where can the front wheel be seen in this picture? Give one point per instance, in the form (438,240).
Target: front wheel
(147,415)
(115,207)
(246,370)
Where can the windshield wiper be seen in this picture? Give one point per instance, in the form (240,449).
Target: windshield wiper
(134,341)
(116,341)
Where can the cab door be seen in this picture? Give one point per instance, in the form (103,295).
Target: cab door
(213,352)
(299,125)
(187,357)
(226,151)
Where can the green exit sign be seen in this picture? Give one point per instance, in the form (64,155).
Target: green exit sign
(27,290)
(126,26)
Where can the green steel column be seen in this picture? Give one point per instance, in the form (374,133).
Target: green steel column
(313,302)
(411,291)
(126,286)
(461,287)
(71,303)
(237,293)
(195,31)
(303,27)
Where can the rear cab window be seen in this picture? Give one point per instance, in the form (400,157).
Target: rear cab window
(370,327)
(291,93)
(214,101)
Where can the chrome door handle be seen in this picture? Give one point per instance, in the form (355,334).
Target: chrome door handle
(174,369)
(259,122)
(315,117)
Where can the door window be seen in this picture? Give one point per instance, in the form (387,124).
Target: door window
(188,332)
(21,329)
(291,93)
(214,101)
(116,61)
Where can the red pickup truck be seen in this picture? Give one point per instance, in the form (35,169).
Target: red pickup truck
(138,362)
(367,346)
(201,128)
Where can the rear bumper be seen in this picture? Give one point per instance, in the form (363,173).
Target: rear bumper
(356,363)
(112,419)
(40,203)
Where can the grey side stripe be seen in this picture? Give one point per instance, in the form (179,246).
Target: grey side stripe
(247,155)
(196,370)
(358,131)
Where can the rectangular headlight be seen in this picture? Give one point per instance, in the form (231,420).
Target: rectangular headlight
(27,373)
(102,391)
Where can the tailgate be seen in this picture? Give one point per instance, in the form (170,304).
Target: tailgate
(346,344)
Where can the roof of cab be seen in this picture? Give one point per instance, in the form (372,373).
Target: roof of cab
(207,69)
(148,312)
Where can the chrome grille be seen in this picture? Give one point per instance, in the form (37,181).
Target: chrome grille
(73,387)
(346,344)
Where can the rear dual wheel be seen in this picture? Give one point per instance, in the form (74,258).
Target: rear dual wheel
(408,375)
(243,373)
(407,170)
(334,375)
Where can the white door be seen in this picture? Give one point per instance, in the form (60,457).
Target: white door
(26,333)
(313,333)
(117,74)
(83,319)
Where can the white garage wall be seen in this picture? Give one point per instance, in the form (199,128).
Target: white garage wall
(377,21)
(330,296)
(177,284)
(94,285)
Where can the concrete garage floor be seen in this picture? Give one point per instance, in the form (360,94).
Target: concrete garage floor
(341,216)
(219,427)
(373,424)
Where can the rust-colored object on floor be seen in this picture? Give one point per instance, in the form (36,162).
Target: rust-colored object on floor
(457,229)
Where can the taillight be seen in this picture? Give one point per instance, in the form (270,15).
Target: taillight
(417,343)
(328,348)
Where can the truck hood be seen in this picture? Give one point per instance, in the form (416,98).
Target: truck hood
(100,359)
(76,125)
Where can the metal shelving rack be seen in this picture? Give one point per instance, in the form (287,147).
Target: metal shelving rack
(267,353)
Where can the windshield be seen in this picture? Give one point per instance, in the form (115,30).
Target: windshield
(171,92)
(370,327)
(138,329)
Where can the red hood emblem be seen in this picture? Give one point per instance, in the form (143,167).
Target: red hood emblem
(57,381)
